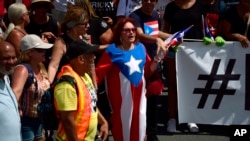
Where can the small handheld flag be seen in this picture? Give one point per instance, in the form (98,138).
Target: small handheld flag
(176,38)
(206,31)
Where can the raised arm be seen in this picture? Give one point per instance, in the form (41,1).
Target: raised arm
(58,51)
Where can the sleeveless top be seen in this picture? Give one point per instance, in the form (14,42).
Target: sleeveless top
(17,49)
(38,29)
(31,97)
(65,59)
(17,29)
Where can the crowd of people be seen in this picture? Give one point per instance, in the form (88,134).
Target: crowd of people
(115,61)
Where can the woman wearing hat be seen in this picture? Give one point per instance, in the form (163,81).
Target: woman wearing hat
(29,81)
(41,23)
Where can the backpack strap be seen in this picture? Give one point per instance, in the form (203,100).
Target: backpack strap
(66,78)
(47,101)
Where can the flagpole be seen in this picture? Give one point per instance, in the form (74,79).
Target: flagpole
(193,40)
(203,30)
(199,40)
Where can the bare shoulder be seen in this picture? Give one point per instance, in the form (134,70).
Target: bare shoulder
(60,44)
(21,70)
(14,35)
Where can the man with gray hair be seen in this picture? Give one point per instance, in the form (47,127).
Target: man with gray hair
(9,116)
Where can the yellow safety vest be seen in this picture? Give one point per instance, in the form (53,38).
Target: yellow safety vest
(82,116)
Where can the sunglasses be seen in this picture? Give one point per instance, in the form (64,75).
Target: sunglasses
(128,30)
(84,24)
(39,50)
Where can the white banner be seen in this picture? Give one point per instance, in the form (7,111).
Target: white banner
(213,84)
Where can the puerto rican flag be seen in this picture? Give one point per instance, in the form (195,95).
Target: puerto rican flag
(151,28)
(124,73)
(176,38)
(206,31)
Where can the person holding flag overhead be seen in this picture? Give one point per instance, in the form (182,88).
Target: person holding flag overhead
(148,31)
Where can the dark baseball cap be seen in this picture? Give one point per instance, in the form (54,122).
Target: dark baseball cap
(80,47)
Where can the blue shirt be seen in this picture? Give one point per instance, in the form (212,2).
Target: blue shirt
(140,18)
(10,124)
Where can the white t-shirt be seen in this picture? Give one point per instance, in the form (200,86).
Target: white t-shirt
(61,5)
(126,7)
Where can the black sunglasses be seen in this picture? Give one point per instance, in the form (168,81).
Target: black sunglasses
(39,50)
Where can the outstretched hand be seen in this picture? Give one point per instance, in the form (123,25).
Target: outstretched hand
(47,35)
(244,41)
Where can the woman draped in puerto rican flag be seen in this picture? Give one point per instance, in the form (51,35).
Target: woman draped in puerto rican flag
(125,66)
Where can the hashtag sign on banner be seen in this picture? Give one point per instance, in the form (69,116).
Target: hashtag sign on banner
(213,76)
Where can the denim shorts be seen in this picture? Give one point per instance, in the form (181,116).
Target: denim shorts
(31,128)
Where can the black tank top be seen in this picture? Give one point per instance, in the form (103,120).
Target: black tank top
(65,59)
(38,29)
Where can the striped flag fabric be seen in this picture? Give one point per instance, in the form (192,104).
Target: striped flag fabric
(206,31)
(124,73)
(151,28)
(176,38)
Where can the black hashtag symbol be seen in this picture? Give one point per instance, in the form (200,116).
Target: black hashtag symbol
(225,78)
